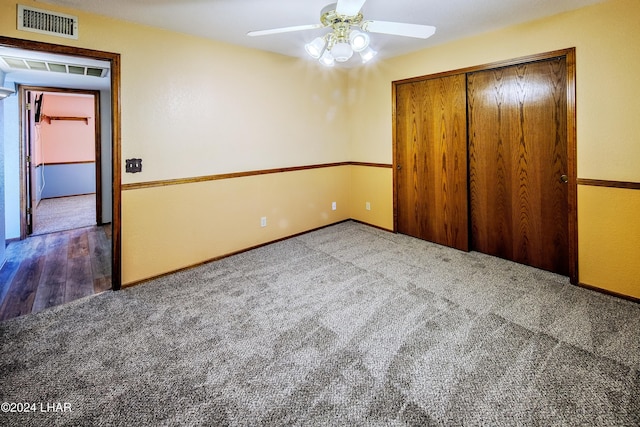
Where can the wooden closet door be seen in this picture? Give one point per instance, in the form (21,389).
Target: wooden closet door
(431,160)
(518,163)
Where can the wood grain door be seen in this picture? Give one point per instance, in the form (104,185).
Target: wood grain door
(431,160)
(518,163)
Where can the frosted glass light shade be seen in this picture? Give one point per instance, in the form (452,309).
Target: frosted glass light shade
(358,40)
(316,47)
(341,51)
(367,55)
(327,59)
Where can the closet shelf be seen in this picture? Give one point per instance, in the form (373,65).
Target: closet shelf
(50,118)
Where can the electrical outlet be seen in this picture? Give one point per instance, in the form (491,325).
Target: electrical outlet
(367,206)
(333,206)
(263,221)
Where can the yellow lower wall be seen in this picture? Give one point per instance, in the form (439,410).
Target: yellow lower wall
(167,228)
(373,185)
(609,247)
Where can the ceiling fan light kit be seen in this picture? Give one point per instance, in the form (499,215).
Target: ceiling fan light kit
(349,33)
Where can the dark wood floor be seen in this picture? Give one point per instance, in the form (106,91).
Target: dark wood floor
(52,269)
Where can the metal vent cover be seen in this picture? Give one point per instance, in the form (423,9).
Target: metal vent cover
(47,22)
(15,63)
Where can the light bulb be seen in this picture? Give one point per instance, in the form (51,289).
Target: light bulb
(358,40)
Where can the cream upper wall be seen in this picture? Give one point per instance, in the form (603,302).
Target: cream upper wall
(214,109)
(607,41)
(194,107)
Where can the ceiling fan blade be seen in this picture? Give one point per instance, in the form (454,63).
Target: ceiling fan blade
(284,30)
(399,29)
(349,7)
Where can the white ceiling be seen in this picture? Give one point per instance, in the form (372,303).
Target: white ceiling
(230,20)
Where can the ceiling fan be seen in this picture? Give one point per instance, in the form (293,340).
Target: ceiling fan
(349,33)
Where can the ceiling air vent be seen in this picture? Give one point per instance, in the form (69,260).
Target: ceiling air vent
(47,22)
(14,63)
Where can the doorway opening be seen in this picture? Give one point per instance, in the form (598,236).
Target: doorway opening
(104,215)
(63,172)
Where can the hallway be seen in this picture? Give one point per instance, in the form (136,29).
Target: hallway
(52,269)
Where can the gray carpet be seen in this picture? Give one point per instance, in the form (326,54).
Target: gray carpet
(348,325)
(65,213)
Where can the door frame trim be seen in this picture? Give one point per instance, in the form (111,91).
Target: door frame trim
(572,191)
(114,60)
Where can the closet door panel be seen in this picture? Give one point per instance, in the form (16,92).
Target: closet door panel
(431,160)
(518,163)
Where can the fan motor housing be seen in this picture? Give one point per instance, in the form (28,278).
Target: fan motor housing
(330,18)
